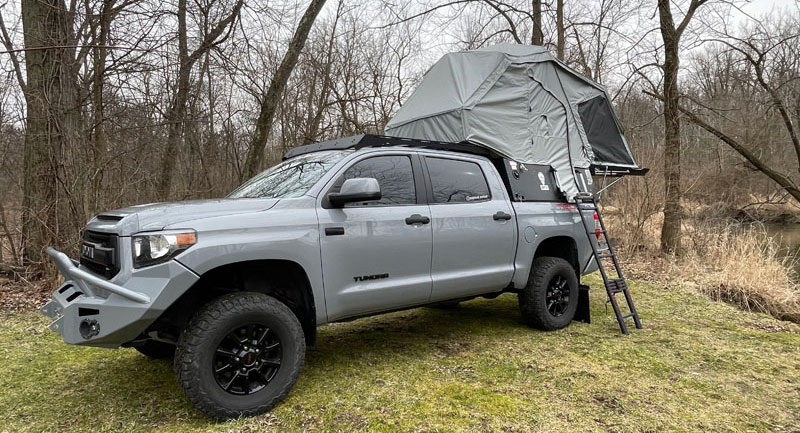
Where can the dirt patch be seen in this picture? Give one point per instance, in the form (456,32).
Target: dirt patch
(20,296)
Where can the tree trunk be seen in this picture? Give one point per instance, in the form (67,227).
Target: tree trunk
(271,99)
(537,37)
(671,229)
(100,53)
(52,123)
(177,111)
(560,29)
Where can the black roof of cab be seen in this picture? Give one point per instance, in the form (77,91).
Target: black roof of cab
(370,140)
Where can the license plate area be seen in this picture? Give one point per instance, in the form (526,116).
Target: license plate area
(97,253)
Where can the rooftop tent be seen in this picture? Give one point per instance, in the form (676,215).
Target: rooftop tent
(522,102)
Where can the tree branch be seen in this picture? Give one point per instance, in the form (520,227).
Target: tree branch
(10,48)
(784,181)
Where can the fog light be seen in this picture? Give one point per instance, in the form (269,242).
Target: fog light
(89,328)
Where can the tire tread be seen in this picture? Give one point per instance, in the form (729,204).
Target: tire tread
(534,312)
(203,323)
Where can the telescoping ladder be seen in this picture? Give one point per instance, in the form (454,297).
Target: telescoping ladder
(586,201)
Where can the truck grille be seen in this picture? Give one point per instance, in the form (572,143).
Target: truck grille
(99,253)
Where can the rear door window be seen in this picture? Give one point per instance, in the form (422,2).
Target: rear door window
(456,181)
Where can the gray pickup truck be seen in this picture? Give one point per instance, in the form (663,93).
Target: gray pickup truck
(234,288)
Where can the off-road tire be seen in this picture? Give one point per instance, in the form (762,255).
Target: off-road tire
(209,326)
(532,299)
(156,349)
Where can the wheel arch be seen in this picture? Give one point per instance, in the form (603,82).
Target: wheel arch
(560,246)
(285,280)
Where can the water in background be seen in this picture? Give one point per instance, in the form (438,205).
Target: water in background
(788,235)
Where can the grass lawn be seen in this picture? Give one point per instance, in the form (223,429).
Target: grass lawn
(697,366)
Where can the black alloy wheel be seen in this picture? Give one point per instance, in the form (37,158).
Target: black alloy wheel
(550,299)
(557,296)
(239,355)
(247,359)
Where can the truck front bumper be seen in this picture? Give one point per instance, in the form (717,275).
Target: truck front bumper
(92,311)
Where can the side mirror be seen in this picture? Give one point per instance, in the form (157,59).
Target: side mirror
(356,190)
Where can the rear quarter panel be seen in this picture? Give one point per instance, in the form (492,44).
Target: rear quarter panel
(538,221)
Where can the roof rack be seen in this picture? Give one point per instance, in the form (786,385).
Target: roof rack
(371,140)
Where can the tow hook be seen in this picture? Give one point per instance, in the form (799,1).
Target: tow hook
(89,328)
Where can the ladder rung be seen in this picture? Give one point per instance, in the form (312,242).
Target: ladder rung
(605,256)
(625,316)
(616,285)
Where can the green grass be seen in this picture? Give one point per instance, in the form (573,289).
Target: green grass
(697,366)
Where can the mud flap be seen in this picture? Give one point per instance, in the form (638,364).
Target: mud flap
(582,314)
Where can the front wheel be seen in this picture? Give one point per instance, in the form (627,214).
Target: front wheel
(550,298)
(240,355)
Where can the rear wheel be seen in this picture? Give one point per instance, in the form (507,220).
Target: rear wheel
(550,298)
(240,355)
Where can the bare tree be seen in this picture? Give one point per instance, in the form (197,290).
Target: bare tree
(671,35)
(271,99)
(560,30)
(52,121)
(537,37)
(761,67)
(177,110)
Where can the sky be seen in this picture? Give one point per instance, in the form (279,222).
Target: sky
(758,7)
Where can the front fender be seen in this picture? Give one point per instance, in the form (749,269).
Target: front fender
(288,234)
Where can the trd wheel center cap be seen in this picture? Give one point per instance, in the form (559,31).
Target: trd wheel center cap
(249,359)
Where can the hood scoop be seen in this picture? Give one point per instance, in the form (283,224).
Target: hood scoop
(107,217)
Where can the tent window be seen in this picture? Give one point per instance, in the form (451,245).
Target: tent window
(602,131)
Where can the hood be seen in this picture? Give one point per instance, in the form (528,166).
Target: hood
(157,216)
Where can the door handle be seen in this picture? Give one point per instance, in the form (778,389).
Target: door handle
(417,219)
(334,231)
(501,216)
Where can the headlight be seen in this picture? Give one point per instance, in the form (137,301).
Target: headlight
(157,247)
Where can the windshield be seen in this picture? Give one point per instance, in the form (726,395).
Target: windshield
(291,178)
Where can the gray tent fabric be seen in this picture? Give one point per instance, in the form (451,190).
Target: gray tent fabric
(523,103)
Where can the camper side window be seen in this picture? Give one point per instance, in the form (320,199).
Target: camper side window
(456,181)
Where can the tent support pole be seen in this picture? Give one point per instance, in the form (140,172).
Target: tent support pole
(605,187)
